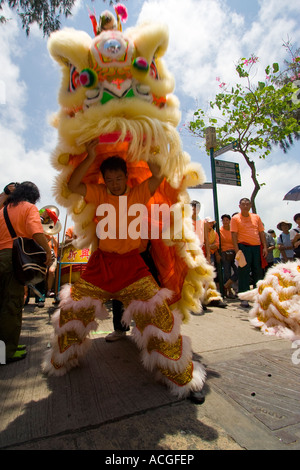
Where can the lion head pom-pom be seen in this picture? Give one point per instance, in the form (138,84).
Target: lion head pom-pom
(121,12)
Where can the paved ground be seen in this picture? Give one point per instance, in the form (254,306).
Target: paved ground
(112,403)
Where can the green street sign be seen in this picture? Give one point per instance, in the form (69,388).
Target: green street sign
(233,145)
(227,173)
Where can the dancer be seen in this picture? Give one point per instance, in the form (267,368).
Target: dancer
(157,330)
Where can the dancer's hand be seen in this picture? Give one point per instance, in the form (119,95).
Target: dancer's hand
(91,149)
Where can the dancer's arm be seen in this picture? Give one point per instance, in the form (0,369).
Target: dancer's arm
(154,180)
(75,183)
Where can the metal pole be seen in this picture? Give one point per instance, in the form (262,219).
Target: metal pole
(216,210)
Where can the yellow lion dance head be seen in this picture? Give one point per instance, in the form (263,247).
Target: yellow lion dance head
(116,87)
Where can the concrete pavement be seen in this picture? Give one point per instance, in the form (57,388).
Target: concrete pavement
(111,403)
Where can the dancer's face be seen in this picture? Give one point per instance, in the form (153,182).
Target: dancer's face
(116,181)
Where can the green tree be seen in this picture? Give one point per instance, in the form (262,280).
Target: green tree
(291,74)
(45,13)
(257,115)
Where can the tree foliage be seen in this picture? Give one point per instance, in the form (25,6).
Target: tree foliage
(45,13)
(291,73)
(256,114)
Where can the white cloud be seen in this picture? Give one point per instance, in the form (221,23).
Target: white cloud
(203,41)
(18,162)
(206,40)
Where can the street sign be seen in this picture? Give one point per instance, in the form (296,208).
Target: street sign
(227,173)
(232,182)
(202,186)
(228,147)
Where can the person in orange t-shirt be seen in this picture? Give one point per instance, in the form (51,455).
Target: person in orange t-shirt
(117,271)
(9,188)
(248,234)
(25,219)
(228,256)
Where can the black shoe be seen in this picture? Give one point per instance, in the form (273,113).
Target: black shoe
(245,304)
(197,397)
(218,303)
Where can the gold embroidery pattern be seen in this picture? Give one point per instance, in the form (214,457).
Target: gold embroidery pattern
(172,351)
(82,288)
(282,296)
(55,365)
(143,289)
(85,315)
(66,340)
(179,379)
(266,304)
(284,282)
(162,319)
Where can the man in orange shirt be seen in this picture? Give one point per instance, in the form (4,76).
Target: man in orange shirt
(117,271)
(228,256)
(248,235)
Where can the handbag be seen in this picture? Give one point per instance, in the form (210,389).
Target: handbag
(28,257)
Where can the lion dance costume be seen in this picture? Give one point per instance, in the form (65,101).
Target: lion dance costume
(276,309)
(116,87)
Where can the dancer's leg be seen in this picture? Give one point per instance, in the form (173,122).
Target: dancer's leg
(80,307)
(157,334)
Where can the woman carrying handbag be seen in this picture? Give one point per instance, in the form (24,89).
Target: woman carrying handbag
(25,219)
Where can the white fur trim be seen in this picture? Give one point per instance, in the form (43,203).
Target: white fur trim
(196,384)
(67,360)
(155,359)
(66,302)
(276,308)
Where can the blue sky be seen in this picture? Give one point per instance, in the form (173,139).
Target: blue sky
(207,37)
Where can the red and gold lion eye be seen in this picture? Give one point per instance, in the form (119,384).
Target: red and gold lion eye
(153,71)
(74,79)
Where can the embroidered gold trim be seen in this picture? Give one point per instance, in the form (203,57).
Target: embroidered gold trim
(172,351)
(66,340)
(179,379)
(82,288)
(162,319)
(143,289)
(85,315)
